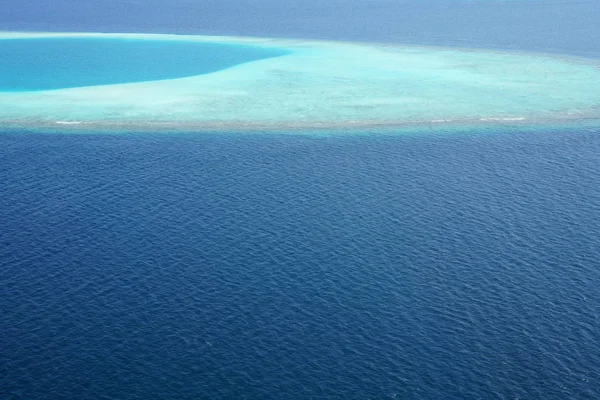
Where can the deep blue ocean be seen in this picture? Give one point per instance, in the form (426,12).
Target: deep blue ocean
(433,265)
(561,26)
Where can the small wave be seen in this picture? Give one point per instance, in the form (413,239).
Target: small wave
(68,122)
(503,119)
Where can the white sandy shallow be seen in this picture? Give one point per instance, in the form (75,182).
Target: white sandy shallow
(326,84)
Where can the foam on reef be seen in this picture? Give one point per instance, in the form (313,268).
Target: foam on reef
(326,84)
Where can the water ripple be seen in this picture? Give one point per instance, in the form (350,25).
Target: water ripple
(231,266)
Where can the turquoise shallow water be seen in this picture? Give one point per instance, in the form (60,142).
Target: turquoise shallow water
(59,63)
(317,84)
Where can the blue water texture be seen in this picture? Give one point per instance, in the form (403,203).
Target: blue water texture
(77,62)
(459,266)
(433,265)
(552,26)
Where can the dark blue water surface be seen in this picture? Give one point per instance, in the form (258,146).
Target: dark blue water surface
(57,63)
(459,266)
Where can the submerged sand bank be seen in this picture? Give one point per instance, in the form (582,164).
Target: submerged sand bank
(325,85)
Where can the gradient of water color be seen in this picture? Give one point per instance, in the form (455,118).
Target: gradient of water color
(49,63)
(311,84)
(433,265)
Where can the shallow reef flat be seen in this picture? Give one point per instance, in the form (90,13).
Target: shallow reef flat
(324,84)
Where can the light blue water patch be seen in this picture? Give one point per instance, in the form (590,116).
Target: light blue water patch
(58,63)
(318,85)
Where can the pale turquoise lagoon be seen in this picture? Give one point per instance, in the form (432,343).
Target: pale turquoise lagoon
(50,63)
(208,82)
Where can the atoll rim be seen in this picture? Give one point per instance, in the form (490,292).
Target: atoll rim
(313,84)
